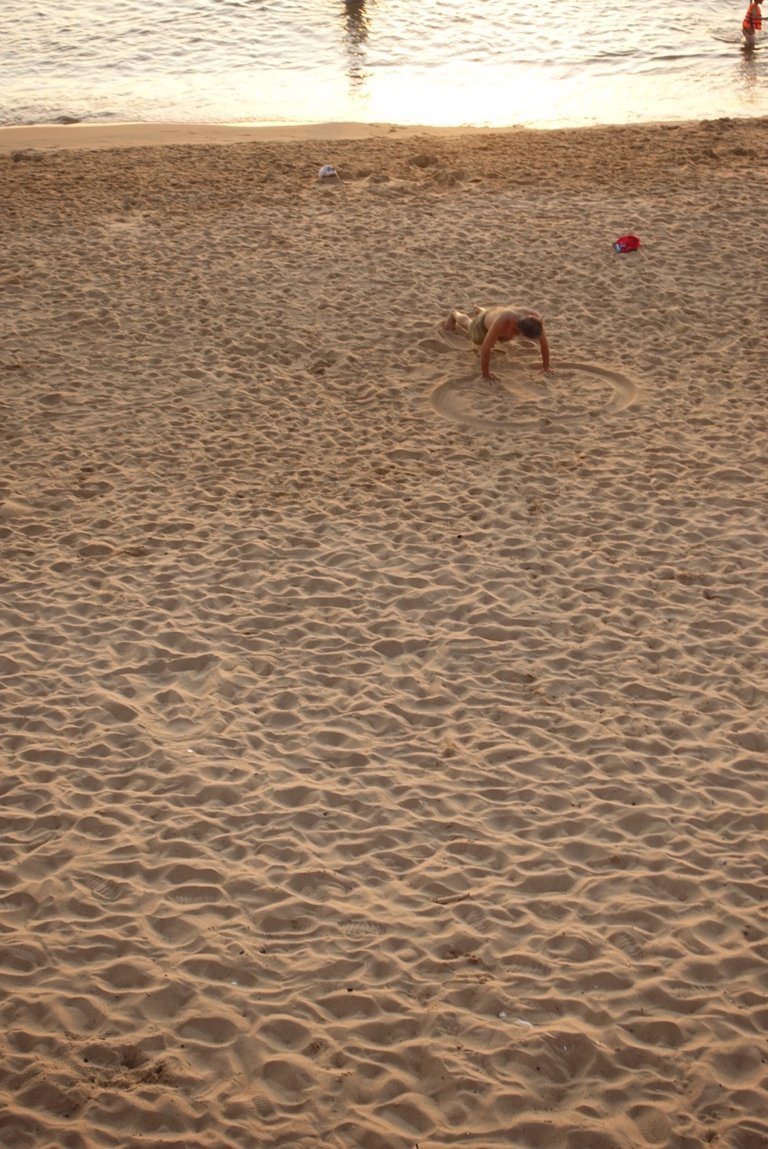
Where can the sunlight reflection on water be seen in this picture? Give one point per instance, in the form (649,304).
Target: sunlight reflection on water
(498,63)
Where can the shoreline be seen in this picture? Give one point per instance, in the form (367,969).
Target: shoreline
(101,136)
(131,135)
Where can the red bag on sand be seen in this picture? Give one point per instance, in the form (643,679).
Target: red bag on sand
(626,243)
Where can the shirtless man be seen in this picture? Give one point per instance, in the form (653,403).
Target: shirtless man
(486,326)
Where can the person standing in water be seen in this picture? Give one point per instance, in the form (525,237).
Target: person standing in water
(752,23)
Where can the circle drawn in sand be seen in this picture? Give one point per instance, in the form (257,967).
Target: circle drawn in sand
(577,391)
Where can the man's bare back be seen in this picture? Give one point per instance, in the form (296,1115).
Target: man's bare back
(487,326)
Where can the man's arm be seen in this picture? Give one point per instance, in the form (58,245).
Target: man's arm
(544,344)
(499,329)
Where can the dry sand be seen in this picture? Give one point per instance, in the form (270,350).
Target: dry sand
(384,752)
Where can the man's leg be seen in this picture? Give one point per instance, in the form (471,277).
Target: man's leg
(457,319)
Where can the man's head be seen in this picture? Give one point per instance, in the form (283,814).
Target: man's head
(529,327)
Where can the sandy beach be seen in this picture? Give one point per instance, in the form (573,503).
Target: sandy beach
(385,752)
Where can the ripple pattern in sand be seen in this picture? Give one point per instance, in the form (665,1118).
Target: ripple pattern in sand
(369,780)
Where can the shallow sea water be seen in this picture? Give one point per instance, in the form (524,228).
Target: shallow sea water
(494,63)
